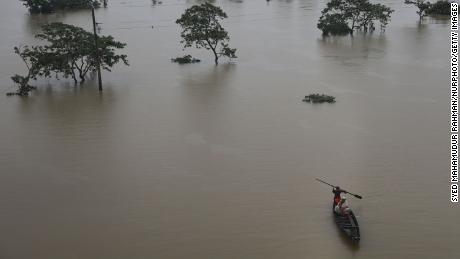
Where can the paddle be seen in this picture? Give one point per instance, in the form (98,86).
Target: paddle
(356,195)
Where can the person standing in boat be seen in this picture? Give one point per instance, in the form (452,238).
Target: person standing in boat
(337,192)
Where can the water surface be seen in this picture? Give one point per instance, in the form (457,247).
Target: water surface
(202,161)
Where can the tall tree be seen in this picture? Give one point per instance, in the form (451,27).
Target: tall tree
(201,27)
(422,6)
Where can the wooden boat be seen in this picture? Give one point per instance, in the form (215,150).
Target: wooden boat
(348,224)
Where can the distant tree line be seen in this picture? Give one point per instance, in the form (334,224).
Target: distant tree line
(49,6)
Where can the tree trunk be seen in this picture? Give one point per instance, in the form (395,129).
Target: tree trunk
(216,58)
(74,77)
(82,78)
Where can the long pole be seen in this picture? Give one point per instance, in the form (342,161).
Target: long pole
(356,195)
(98,60)
(319,180)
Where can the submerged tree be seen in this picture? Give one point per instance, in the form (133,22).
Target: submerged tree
(439,8)
(201,27)
(334,24)
(48,6)
(74,50)
(422,6)
(69,51)
(345,16)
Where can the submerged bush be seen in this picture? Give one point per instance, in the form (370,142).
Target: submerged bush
(319,98)
(23,85)
(187,59)
(439,8)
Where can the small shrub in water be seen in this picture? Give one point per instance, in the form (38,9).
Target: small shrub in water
(23,86)
(319,98)
(187,59)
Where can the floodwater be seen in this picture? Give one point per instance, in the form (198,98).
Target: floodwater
(199,161)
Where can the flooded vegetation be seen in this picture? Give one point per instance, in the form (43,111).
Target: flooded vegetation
(341,17)
(68,52)
(319,98)
(187,59)
(50,6)
(205,161)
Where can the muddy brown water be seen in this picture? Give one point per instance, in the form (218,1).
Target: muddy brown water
(200,161)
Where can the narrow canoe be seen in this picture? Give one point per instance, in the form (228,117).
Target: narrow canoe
(348,224)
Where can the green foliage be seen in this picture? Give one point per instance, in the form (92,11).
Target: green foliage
(23,85)
(439,8)
(38,6)
(319,98)
(187,59)
(201,27)
(422,6)
(344,16)
(31,58)
(334,24)
(74,52)
(48,6)
(69,51)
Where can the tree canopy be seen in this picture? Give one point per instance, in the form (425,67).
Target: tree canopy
(201,27)
(439,8)
(68,51)
(346,16)
(48,6)
(422,6)
(74,50)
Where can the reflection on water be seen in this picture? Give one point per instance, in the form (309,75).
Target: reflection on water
(345,50)
(199,161)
